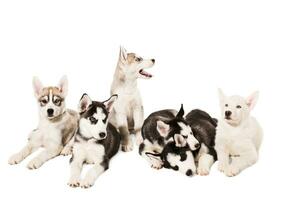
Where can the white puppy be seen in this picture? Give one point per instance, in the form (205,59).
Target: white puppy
(238,135)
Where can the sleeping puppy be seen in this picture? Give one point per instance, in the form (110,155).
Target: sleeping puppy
(160,128)
(204,129)
(239,135)
(176,155)
(96,141)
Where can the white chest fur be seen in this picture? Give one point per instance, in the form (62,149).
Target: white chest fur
(89,151)
(50,133)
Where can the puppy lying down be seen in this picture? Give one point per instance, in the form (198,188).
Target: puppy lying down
(179,158)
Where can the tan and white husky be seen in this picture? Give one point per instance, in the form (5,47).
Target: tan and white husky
(128,113)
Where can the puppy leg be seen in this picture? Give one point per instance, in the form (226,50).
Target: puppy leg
(241,162)
(93,174)
(223,158)
(126,143)
(34,142)
(155,162)
(138,118)
(204,164)
(45,155)
(76,168)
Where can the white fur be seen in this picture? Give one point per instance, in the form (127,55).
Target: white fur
(185,165)
(238,139)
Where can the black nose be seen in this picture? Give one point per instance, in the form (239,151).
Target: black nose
(228,113)
(102,135)
(50,112)
(197,146)
(153,60)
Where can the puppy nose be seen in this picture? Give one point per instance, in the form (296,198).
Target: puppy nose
(197,146)
(102,135)
(50,111)
(153,60)
(228,113)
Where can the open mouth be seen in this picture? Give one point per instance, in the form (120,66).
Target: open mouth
(145,74)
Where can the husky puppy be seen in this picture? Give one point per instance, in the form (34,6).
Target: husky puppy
(160,128)
(56,126)
(239,135)
(96,141)
(128,113)
(204,129)
(176,155)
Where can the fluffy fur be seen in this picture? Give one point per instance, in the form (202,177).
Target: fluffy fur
(239,135)
(56,126)
(96,141)
(128,113)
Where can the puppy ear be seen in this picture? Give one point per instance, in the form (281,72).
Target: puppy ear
(162,128)
(63,86)
(37,86)
(179,140)
(84,103)
(123,54)
(181,112)
(110,102)
(222,96)
(252,99)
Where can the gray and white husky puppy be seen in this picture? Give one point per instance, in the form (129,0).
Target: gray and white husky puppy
(128,112)
(162,127)
(96,141)
(57,125)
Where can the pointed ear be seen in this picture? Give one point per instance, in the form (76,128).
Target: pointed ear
(153,156)
(84,103)
(179,140)
(123,54)
(37,86)
(181,112)
(110,102)
(162,128)
(222,96)
(252,99)
(63,86)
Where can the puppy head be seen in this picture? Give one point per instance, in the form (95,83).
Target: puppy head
(178,130)
(51,100)
(94,116)
(133,66)
(235,108)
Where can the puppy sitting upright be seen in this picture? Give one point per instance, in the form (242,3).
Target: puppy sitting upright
(56,127)
(239,135)
(128,113)
(96,141)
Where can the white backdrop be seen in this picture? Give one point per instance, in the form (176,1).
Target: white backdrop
(199,46)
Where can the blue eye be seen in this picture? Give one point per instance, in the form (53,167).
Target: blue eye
(93,120)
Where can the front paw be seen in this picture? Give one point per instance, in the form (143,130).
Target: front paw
(156,165)
(86,183)
(74,182)
(232,171)
(66,151)
(34,164)
(15,159)
(202,170)
(221,167)
(127,147)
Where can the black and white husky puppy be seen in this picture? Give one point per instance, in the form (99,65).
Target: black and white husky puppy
(56,128)
(162,127)
(204,129)
(96,141)
(177,155)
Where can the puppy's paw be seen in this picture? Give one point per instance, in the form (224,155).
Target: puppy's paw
(232,171)
(156,165)
(203,170)
(221,167)
(15,159)
(66,151)
(74,182)
(34,164)
(127,147)
(86,183)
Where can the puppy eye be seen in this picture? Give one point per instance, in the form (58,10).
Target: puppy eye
(57,101)
(238,106)
(138,59)
(93,120)
(44,101)
(226,105)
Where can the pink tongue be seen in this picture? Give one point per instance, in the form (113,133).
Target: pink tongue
(145,73)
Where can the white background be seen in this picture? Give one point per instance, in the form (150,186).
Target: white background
(199,46)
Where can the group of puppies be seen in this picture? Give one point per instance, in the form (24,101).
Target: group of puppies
(167,138)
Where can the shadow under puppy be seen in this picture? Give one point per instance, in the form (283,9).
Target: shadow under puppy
(57,125)
(96,141)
